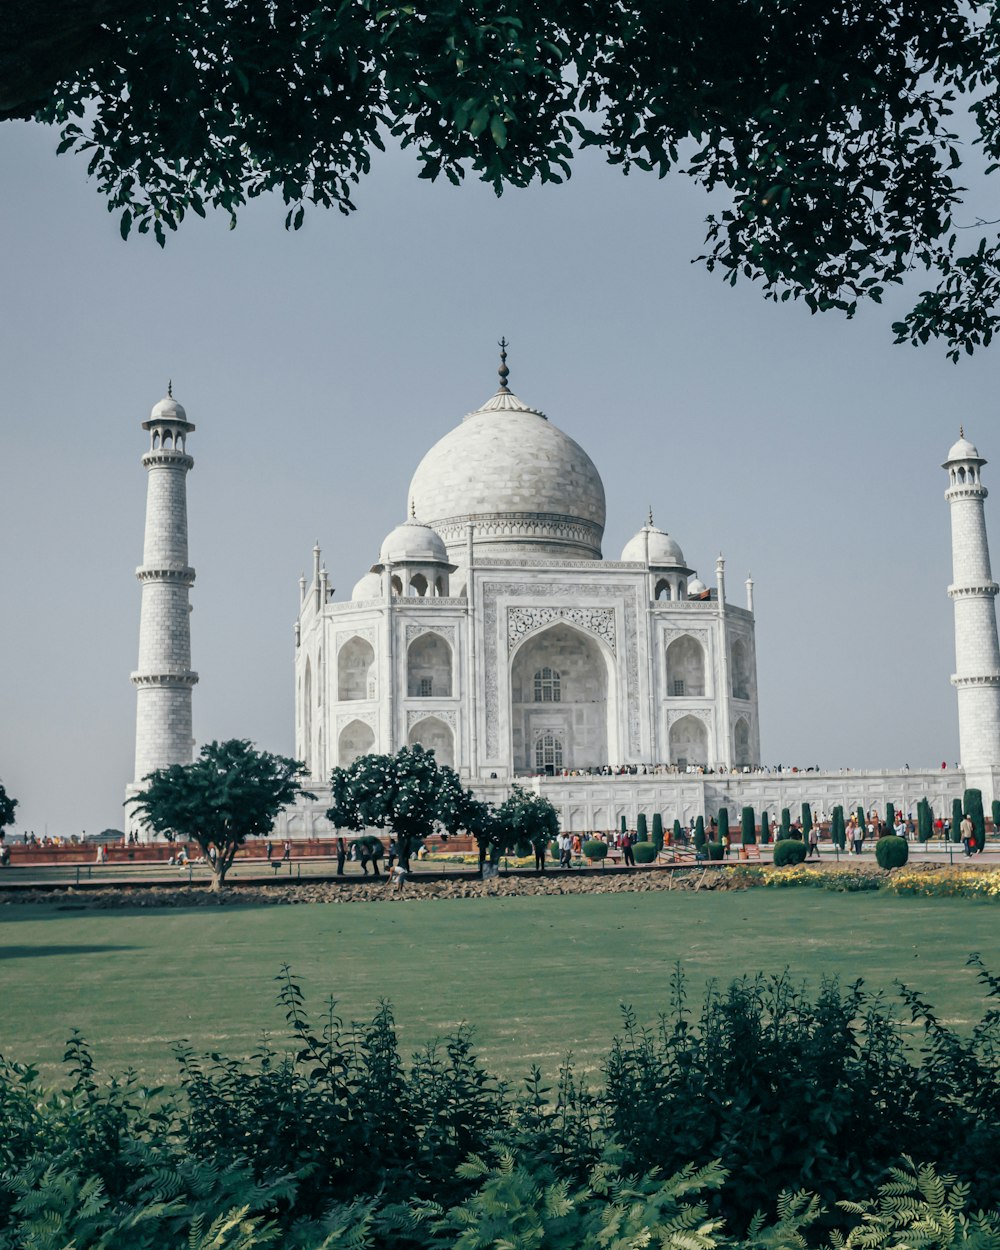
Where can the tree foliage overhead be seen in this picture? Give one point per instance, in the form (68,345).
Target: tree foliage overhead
(229,793)
(832,125)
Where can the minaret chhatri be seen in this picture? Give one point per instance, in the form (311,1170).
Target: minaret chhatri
(973,591)
(163,678)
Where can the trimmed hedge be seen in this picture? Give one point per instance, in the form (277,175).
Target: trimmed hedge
(595,849)
(789,851)
(644,852)
(892,851)
(715,850)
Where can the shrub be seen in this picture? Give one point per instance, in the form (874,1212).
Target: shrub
(838,833)
(699,832)
(786,823)
(723,834)
(748,832)
(678,832)
(715,850)
(789,851)
(765,829)
(807,819)
(892,851)
(925,821)
(658,831)
(973,805)
(595,848)
(644,852)
(956,820)
(641,828)
(890,816)
(996,815)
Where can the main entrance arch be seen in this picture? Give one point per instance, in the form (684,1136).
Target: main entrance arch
(562,691)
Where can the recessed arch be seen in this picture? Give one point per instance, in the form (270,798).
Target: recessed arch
(428,667)
(663,589)
(583,716)
(433,734)
(739,669)
(685,667)
(418,586)
(741,743)
(549,753)
(355,670)
(689,742)
(356,739)
(307,689)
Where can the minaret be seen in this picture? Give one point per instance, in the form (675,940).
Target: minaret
(973,591)
(163,678)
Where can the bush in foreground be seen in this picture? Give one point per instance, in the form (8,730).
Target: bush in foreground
(595,849)
(789,851)
(644,852)
(892,851)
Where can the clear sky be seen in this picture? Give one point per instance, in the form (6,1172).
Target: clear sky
(318,368)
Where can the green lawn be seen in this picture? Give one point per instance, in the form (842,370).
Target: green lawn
(538,977)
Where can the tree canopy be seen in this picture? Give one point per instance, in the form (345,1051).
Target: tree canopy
(229,793)
(7,807)
(837,130)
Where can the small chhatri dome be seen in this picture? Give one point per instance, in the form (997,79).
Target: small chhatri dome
(413,543)
(963,450)
(168,410)
(661,547)
(369,587)
(696,588)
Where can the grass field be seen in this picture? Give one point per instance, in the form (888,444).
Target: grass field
(536,976)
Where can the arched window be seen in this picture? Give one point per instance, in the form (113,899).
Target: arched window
(739,669)
(397,585)
(418,585)
(428,667)
(548,754)
(547,686)
(685,667)
(663,589)
(356,670)
(961,475)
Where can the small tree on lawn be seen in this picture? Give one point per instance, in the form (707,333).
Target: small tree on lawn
(641,828)
(838,832)
(765,829)
(7,806)
(526,820)
(995,814)
(678,833)
(890,818)
(807,820)
(723,831)
(699,832)
(956,820)
(409,793)
(862,823)
(231,792)
(785,831)
(658,832)
(973,805)
(748,831)
(925,822)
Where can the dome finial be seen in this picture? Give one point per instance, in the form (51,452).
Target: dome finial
(413,509)
(503,371)
(170,388)
(649,520)
(961,431)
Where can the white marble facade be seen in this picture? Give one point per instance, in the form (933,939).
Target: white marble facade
(491,629)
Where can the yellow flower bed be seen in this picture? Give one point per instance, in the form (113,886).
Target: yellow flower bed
(946,883)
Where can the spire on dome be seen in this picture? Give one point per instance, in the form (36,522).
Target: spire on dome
(413,509)
(503,371)
(649,520)
(961,431)
(170,388)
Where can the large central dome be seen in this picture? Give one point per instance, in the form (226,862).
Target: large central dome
(527,488)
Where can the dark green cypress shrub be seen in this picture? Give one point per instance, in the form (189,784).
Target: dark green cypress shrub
(861,818)
(723,835)
(956,820)
(765,829)
(678,831)
(641,829)
(973,805)
(838,832)
(996,815)
(624,825)
(807,819)
(786,824)
(715,850)
(925,821)
(699,832)
(892,852)
(644,852)
(890,817)
(789,851)
(748,831)
(658,831)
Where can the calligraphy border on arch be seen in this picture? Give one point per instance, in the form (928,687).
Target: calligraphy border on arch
(625,596)
(522,622)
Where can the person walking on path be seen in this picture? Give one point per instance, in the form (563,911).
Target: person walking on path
(341,856)
(813,843)
(287,851)
(627,857)
(968,834)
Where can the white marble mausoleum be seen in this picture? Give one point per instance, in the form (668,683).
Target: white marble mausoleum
(491,628)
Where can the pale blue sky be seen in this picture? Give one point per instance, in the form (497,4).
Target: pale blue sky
(318,368)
